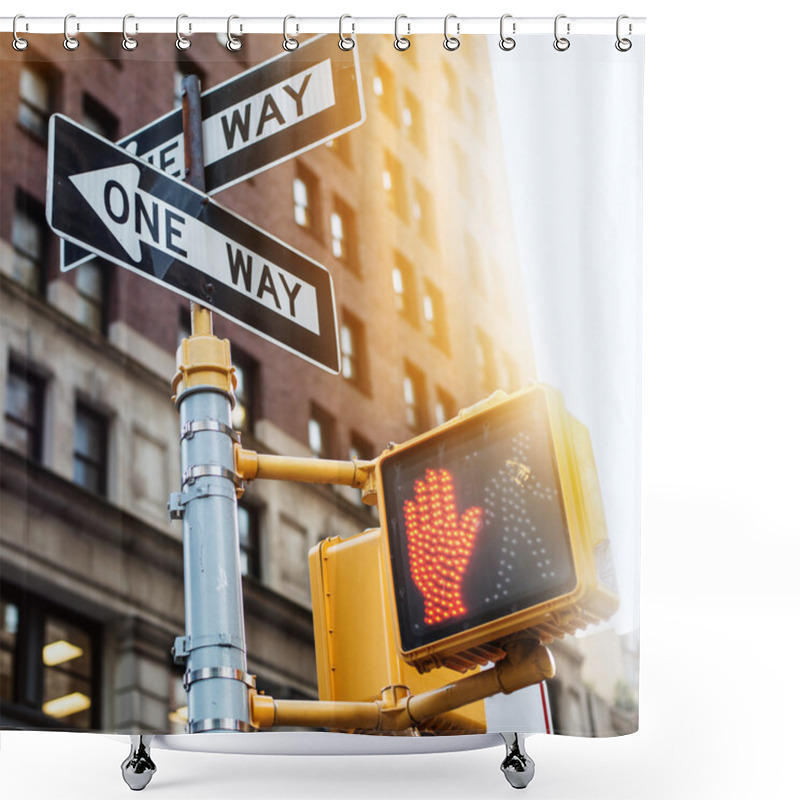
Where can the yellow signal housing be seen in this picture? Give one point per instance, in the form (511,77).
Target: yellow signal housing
(354,636)
(514,479)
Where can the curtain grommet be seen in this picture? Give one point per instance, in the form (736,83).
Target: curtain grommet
(181,42)
(451,43)
(18,42)
(623,44)
(234,44)
(507,42)
(290,44)
(401,43)
(70,42)
(128,42)
(561,43)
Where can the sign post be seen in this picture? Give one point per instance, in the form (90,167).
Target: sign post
(213,650)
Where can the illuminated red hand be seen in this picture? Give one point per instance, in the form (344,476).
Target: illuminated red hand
(440,544)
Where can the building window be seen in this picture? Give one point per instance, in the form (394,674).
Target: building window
(29,240)
(353,342)
(91,282)
(106,43)
(384,88)
(340,147)
(412,120)
(422,212)
(444,408)
(414,397)
(49,664)
(305,194)
(9,635)
(248,541)
(90,457)
(24,413)
(434,315)
(395,185)
(484,362)
(36,100)
(97,118)
(343,234)
(246,368)
(321,432)
(404,286)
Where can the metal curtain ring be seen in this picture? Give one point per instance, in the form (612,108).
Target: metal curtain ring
(70,42)
(181,42)
(623,45)
(128,42)
(401,42)
(346,42)
(506,42)
(19,43)
(289,44)
(561,43)
(451,42)
(233,44)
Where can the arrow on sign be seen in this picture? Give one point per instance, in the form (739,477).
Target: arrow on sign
(135,217)
(103,198)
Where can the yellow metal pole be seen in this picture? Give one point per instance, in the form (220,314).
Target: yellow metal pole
(527,662)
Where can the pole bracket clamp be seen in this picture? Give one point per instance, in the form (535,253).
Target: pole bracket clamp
(211,471)
(176,505)
(203,725)
(214,425)
(230,673)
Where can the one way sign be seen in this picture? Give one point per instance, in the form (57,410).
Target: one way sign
(112,203)
(258,119)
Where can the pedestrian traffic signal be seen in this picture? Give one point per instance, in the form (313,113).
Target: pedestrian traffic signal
(493,525)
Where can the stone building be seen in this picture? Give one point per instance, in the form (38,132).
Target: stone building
(409,214)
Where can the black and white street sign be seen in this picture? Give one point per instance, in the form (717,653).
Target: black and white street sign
(103,198)
(258,119)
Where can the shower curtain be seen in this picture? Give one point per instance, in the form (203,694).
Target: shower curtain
(427,262)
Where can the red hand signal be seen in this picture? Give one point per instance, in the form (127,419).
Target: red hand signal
(439,544)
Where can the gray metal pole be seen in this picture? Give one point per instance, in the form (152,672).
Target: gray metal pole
(213,649)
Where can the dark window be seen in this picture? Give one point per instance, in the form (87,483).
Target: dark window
(91,281)
(412,120)
(353,346)
(395,185)
(49,664)
(434,315)
(97,118)
(343,234)
(90,457)
(24,413)
(404,286)
(29,240)
(384,88)
(305,195)
(414,397)
(248,541)
(36,99)
(321,432)
(106,43)
(243,414)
